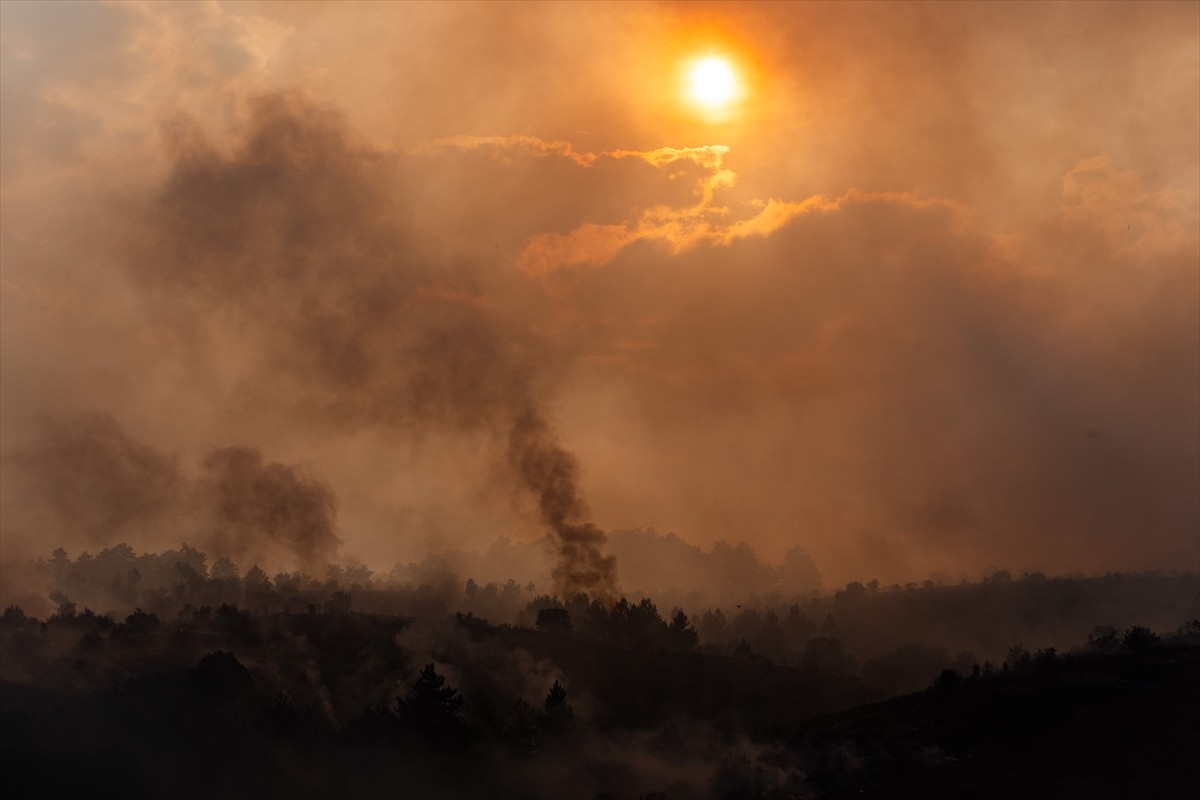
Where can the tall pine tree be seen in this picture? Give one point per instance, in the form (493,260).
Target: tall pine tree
(431,709)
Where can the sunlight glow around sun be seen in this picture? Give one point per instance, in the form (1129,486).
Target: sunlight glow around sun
(712,82)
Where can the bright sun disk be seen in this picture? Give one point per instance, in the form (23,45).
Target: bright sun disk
(712,82)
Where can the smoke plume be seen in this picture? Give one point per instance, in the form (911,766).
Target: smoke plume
(252,503)
(86,482)
(550,473)
(297,241)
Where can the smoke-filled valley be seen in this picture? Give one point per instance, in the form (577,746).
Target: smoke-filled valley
(654,400)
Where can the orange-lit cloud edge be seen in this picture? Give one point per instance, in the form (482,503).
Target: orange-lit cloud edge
(705,222)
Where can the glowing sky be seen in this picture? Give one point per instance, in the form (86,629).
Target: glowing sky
(923,295)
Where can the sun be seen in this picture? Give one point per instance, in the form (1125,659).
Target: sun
(712,82)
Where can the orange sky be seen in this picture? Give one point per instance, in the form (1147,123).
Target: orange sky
(926,297)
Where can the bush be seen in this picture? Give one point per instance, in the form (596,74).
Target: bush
(1138,638)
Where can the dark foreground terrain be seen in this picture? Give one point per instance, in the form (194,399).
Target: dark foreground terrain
(1097,726)
(226,703)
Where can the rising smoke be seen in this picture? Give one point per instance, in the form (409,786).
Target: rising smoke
(294,244)
(550,473)
(249,501)
(85,481)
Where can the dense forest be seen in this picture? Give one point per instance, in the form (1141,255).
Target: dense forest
(163,674)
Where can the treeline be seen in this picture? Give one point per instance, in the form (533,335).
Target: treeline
(983,618)
(222,701)
(894,640)
(898,631)
(175,581)
(649,564)
(195,678)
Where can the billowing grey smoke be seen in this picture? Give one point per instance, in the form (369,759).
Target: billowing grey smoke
(87,481)
(88,478)
(250,501)
(291,254)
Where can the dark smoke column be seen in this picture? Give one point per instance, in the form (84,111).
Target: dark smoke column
(550,472)
(297,239)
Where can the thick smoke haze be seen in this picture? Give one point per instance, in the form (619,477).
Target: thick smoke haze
(297,281)
(87,480)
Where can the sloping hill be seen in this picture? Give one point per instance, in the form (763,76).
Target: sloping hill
(1095,726)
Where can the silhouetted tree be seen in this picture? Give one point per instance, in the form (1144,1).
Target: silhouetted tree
(281,716)
(14,618)
(431,709)
(558,717)
(1046,662)
(1188,632)
(137,625)
(798,626)
(947,680)
(714,628)
(256,580)
(743,650)
(770,640)
(798,573)
(681,634)
(189,579)
(1104,638)
(223,569)
(59,564)
(238,625)
(642,627)
(1018,658)
(854,592)
(1138,638)
(745,625)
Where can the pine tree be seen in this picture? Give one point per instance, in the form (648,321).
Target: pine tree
(431,708)
(558,717)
